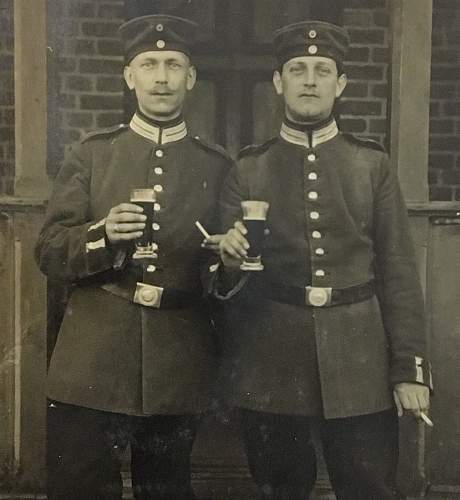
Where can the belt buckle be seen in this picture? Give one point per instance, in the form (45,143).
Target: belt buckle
(148,295)
(318,296)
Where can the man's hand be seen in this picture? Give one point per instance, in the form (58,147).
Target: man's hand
(124,222)
(233,246)
(412,397)
(212,243)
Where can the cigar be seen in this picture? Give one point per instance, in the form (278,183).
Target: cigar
(202,230)
(426,419)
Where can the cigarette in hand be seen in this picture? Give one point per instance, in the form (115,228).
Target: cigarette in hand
(426,419)
(202,230)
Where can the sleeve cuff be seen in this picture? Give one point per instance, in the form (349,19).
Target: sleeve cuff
(215,285)
(411,369)
(99,255)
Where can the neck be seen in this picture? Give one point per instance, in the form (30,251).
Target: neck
(167,122)
(308,126)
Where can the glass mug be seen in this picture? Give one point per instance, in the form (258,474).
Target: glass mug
(145,246)
(254,219)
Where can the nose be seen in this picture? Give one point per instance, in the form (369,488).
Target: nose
(161,74)
(310,80)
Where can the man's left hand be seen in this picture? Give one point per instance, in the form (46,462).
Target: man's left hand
(411,397)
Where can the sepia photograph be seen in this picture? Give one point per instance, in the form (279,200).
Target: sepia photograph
(229,249)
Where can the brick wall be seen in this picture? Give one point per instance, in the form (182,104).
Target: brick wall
(86,70)
(445,102)
(6,98)
(364,105)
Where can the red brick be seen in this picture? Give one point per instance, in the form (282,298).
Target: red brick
(453,37)
(109,83)
(444,143)
(366,108)
(451,177)
(378,126)
(101,66)
(441,160)
(441,126)
(80,120)
(434,109)
(66,101)
(81,9)
(109,119)
(382,18)
(101,102)
(353,125)
(434,177)
(85,47)
(7,134)
(367,72)
(379,90)
(6,62)
(380,55)
(452,108)
(446,56)
(358,54)
(355,17)
(356,89)
(66,64)
(370,36)
(99,29)
(79,83)
(442,90)
(445,73)
(366,4)
(109,47)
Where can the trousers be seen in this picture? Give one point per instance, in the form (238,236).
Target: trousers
(361,455)
(85,448)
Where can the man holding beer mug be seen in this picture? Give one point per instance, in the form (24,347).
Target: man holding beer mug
(135,356)
(332,328)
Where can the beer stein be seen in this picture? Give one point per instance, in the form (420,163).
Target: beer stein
(254,219)
(145,246)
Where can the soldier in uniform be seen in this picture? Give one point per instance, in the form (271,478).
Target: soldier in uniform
(332,330)
(135,356)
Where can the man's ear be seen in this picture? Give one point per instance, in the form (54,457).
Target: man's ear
(191,77)
(341,84)
(128,74)
(277,82)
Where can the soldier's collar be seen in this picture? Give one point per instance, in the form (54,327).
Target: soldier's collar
(310,137)
(158,134)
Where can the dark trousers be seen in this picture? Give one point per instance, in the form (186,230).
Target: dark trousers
(361,455)
(85,448)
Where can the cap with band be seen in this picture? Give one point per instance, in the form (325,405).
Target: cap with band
(311,38)
(157,32)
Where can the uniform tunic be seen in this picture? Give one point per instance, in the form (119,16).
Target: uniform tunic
(336,219)
(111,353)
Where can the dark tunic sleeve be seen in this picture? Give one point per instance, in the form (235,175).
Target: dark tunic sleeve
(71,245)
(400,293)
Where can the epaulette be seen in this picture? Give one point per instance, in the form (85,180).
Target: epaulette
(105,131)
(363,141)
(211,147)
(256,148)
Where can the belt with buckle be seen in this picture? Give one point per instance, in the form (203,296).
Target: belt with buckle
(316,296)
(154,296)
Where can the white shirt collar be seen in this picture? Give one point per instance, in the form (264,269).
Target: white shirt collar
(158,135)
(301,138)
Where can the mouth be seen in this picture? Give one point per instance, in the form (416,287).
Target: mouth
(161,94)
(309,96)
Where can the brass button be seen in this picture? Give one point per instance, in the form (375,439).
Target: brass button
(313,195)
(320,273)
(161,44)
(317,297)
(316,235)
(312,34)
(159,27)
(311,157)
(156,226)
(156,207)
(313,49)
(312,176)
(158,170)
(151,268)
(154,247)
(159,153)
(158,188)
(148,295)
(314,215)
(319,251)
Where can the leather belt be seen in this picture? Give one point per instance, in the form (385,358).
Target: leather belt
(316,296)
(154,296)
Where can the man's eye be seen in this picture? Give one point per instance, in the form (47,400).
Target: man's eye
(146,65)
(295,69)
(174,65)
(324,71)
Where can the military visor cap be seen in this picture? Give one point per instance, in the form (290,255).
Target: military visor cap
(157,32)
(311,38)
